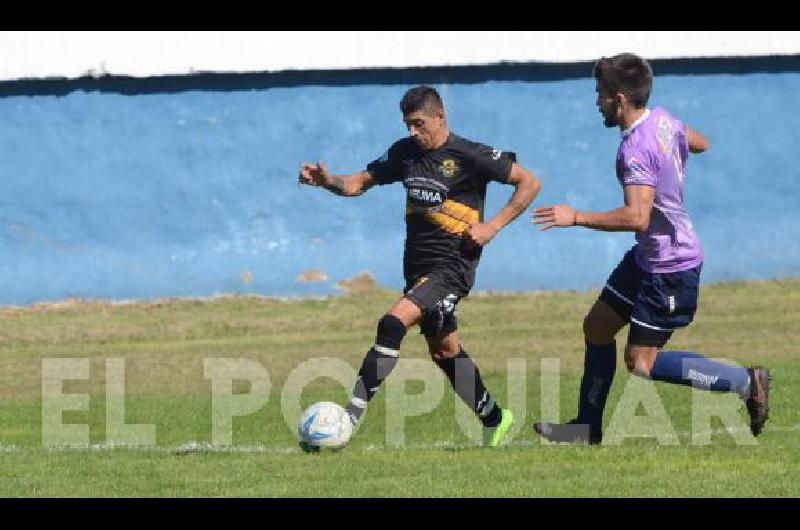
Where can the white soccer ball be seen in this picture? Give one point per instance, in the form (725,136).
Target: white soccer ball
(325,424)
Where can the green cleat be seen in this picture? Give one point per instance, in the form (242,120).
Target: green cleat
(493,436)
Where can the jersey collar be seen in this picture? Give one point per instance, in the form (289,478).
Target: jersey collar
(630,129)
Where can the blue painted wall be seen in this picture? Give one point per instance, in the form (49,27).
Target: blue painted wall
(106,194)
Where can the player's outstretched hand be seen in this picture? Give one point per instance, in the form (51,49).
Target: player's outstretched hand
(313,174)
(560,215)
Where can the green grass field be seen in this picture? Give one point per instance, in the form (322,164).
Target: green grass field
(164,345)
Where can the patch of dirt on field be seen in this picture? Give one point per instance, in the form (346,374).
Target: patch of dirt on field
(360,283)
(313,275)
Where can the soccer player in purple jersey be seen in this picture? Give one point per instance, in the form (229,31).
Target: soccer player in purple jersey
(655,286)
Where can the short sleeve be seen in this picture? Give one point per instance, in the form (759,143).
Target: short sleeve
(493,164)
(637,169)
(388,167)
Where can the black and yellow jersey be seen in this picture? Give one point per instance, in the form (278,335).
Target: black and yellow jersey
(446,191)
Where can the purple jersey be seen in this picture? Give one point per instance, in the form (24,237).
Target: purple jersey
(653,152)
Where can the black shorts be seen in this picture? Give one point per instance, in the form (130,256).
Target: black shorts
(437,293)
(655,304)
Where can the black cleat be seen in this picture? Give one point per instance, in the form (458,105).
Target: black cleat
(570,432)
(758,402)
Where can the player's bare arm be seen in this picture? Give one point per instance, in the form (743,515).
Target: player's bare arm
(344,185)
(526,186)
(633,217)
(697,142)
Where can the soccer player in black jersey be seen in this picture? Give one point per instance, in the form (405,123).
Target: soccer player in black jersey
(445,177)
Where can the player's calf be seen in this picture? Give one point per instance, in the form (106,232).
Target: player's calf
(639,359)
(468,384)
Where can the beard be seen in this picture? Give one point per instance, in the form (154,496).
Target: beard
(610,118)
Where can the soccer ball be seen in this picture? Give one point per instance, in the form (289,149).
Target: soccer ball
(325,424)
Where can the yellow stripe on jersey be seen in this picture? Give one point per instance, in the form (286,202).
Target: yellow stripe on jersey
(453,217)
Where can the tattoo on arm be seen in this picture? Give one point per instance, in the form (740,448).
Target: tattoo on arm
(518,205)
(515,206)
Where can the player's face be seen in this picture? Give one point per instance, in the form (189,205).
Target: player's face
(608,106)
(425,127)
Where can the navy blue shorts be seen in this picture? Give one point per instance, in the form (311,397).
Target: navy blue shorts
(655,304)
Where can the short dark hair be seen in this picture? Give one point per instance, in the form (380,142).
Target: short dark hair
(626,73)
(420,97)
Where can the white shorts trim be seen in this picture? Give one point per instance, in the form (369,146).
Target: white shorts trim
(624,299)
(650,325)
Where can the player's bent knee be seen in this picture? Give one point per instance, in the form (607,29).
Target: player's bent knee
(391,331)
(637,365)
(443,352)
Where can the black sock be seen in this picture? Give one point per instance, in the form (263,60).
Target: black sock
(599,366)
(467,383)
(378,363)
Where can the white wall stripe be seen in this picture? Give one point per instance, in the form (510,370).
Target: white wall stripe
(70,54)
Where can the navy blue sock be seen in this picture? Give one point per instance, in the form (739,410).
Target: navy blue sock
(692,369)
(599,366)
